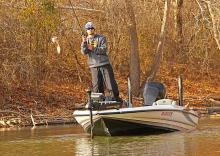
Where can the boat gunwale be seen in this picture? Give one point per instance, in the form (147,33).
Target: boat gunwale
(118,111)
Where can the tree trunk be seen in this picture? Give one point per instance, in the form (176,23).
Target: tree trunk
(156,63)
(179,29)
(179,21)
(134,54)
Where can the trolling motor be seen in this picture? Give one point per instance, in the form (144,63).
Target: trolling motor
(90,107)
(129,94)
(180,90)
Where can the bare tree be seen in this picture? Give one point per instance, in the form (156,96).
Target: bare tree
(178,14)
(156,63)
(134,54)
(214,24)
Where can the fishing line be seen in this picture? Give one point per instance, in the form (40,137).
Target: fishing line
(77,19)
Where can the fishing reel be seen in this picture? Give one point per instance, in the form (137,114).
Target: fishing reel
(83,34)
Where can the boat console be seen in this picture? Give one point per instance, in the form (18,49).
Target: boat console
(101,102)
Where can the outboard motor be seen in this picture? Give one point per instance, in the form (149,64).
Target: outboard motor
(153,91)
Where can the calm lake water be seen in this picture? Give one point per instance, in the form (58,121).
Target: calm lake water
(70,140)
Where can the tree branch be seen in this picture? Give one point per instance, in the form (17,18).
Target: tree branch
(214,26)
(155,65)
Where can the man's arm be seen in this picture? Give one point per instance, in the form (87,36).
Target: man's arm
(84,46)
(102,49)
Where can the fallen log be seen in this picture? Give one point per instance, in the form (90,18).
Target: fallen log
(213,109)
(2,123)
(12,118)
(215,97)
(53,122)
(213,102)
(13,112)
(56,122)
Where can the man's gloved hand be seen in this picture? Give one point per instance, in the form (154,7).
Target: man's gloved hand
(90,47)
(84,39)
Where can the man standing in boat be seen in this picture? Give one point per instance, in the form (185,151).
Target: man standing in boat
(95,47)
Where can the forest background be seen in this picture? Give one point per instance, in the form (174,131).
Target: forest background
(35,78)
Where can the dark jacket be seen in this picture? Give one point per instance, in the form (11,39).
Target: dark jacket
(97,57)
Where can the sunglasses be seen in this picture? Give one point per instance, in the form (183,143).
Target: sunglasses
(89,28)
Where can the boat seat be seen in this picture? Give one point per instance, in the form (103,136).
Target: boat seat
(164,102)
(105,105)
(97,96)
(101,102)
(110,105)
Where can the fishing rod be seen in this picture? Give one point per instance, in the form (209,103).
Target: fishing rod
(77,19)
(89,92)
(55,39)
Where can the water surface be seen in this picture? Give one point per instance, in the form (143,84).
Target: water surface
(70,140)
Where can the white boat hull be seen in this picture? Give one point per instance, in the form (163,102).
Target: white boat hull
(138,120)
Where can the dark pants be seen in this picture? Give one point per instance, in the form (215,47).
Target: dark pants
(104,75)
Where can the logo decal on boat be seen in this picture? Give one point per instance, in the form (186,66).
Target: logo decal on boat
(167,114)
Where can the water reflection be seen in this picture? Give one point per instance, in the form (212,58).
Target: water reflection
(204,141)
(70,141)
(165,144)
